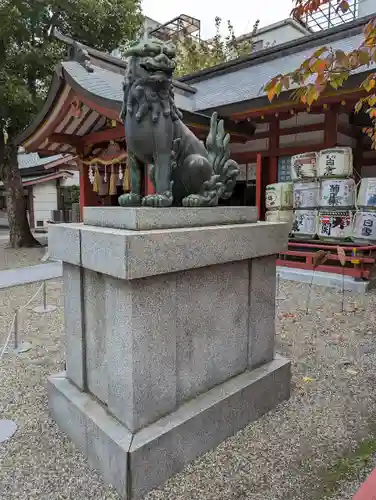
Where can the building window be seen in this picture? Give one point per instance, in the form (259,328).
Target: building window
(284,169)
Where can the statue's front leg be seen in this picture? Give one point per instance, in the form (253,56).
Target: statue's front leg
(208,196)
(135,169)
(162,183)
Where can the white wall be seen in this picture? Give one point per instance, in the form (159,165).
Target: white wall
(366,7)
(279,35)
(45,200)
(71,181)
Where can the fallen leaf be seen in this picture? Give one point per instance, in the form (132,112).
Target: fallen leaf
(307,379)
(350,371)
(288,315)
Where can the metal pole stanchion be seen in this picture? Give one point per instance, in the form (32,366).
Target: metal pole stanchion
(278,296)
(19,348)
(15,345)
(44,295)
(45,308)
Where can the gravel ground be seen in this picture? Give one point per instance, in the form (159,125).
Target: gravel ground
(284,455)
(10,258)
(348,489)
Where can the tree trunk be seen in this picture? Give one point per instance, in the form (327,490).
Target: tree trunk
(19,228)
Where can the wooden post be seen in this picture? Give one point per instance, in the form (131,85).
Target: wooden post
(149,188)
(259,187)
(273,147)
(30,206)
(358,157)
(331,128)
(85,188)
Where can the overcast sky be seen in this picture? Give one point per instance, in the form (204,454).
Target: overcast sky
(241,13)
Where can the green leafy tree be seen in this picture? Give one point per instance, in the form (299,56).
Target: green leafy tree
(28,53)
(327,68)
(194,54)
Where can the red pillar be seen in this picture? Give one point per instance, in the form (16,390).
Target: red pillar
(259,187)
(86,190)
(149,188)
(273,147)
(331,127)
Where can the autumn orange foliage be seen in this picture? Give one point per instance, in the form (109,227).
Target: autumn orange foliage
(309,6)
(327,68)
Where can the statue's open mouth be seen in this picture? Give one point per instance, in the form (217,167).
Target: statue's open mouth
(158,70)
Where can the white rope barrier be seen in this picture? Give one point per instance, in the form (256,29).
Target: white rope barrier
(14,319)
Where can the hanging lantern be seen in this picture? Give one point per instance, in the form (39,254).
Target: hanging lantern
(120,172)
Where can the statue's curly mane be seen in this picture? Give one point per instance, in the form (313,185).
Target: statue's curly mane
(144,94)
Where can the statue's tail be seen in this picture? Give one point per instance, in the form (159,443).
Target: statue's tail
(218,147)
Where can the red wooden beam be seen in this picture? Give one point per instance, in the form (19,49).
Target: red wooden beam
(112,114)
(72,140)
(348,271)
(110,134)
(333,256)
(347,97)
(331,247)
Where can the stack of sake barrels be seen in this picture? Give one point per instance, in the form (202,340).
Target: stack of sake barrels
(323,194)
(364,226)
(337,194)
(305,195)
(278,203)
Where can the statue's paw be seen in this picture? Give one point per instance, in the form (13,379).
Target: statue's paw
(130,200)
(197,200)
(158,200)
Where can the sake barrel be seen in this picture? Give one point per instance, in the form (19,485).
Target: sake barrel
(305,224)
(335,225)
(278,196)
(337,193)
(364,227)
(336,162)
(280,216)
(367,193)
(306,195)
(303,166)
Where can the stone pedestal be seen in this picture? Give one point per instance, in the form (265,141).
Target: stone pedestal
(169,319)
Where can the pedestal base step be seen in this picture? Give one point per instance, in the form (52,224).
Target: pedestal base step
(136,463)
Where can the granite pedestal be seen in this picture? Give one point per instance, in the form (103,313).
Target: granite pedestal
(169,321)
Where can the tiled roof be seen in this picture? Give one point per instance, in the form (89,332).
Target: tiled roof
(109,85)
(29,160)
(247,83)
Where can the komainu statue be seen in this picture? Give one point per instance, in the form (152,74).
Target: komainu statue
(182,170)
